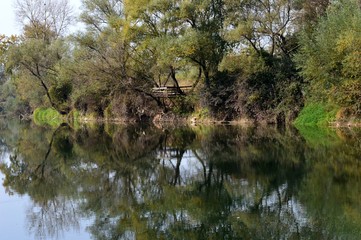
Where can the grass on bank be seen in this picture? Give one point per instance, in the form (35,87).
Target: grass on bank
(313,124)
(47,116)
(317,136)
(316,114)
(51,117)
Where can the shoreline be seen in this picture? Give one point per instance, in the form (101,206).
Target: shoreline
(163,119)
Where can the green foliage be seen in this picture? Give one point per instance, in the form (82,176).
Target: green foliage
(35,60)
(312,12)
(248,62)
(183,105)
(202,114)
(329,56)
(11,103)
(5,43)
(238,56)
(317,136)
(61,92)
(271,93)
(47,116)
(316,114)
(261,24)
(36,66)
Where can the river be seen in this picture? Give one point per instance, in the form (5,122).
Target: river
(197,182)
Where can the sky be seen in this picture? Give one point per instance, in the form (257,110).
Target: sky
(8,25)
(7,18)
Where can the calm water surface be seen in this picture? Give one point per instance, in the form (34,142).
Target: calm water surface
(138,182)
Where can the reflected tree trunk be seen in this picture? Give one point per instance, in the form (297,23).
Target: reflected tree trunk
(179,154)
(42,165)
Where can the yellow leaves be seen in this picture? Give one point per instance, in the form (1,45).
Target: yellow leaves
(348,47)
(244,29)
(187,9)
(134,8)
(116,23)
(189,50)
(230,63)
(6,42)
(333,56)
(253,98)
(345,41)
(352,64)
(247,62)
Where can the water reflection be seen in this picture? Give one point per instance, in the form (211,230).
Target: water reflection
(223,182)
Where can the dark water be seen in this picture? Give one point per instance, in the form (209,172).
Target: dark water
(137,182)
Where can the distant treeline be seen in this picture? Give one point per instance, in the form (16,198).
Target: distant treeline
(264,60)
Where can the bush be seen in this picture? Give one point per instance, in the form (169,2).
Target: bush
(316,114)
(132,106)
(47,116)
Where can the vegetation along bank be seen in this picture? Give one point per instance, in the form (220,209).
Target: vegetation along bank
(278,61)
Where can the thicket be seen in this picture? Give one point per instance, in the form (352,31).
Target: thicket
(256,59)
(329,60)
(47,116)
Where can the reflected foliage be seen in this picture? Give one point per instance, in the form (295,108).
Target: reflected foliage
(223,182)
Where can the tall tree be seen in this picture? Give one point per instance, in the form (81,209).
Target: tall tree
(311,11)
(44,15)
(5,43)
(203,41)
(330,58)
(38,56)
(100,56)
(263,36)
(264,25)
(156,38)
(182,33)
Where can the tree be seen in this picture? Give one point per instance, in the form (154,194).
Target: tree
(236,55)
(35,61)
(103,64)
(156,40)
(10,102)
(311,11)
(184,43)
(122,55)
(5,43)
(264,25)
(263,36)
(38,56)
(203,43)
(329,57)
(44,17)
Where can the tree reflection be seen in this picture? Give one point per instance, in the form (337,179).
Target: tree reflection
(38,167)
(224,182)
(53,217)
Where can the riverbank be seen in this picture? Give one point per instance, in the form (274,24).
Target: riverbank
(311,115)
